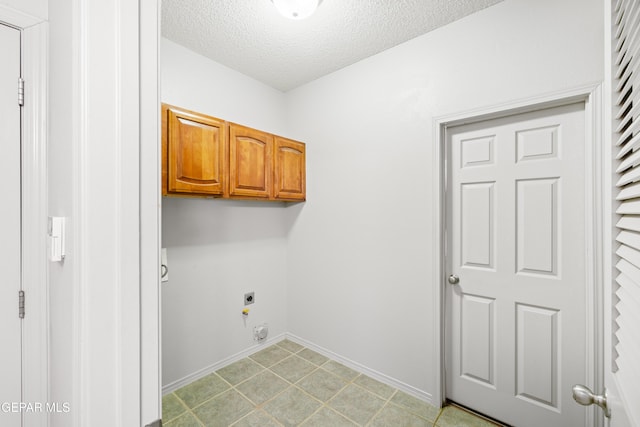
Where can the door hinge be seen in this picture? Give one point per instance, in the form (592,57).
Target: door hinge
(21,91)
(21,304)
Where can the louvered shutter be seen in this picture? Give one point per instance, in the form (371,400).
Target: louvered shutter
(626,114)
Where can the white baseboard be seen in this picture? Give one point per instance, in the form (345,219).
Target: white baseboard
(419,394)
(166,389)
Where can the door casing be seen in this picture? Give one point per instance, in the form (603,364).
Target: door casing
(594,154)
(34,209)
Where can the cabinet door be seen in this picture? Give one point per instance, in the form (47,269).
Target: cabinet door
(196,153)
(289,169)
(250,165)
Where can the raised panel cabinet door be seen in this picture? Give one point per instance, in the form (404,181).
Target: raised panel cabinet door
(289,169)
(250,172)
(196,153)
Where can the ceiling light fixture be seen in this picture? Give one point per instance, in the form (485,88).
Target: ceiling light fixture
(296,9)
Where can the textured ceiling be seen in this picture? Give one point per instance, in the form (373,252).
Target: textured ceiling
(250,36)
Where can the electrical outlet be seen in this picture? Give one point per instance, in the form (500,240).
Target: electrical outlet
(249,298)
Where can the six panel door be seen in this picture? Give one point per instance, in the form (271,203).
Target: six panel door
(515,329)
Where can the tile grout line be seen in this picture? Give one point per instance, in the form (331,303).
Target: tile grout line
(257,406)
(267,367)
(326,404)
(189,411)
(230,386)
(435,422)
(347,384)
(296,386)
(182,403)
(289,384)
(347,375)
(311,415)
(382,407)
(255,409)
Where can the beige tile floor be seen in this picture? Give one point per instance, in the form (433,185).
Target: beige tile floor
(287,384)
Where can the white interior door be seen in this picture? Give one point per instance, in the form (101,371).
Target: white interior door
(516,320)
(10,227)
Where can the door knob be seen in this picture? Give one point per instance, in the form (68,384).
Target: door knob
(584,396)
(454,280)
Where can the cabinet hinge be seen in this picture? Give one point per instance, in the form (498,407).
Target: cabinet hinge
(21,91)
(21,304)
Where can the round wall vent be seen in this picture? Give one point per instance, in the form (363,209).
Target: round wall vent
(260,332)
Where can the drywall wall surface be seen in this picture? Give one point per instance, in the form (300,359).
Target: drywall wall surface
(63,305)
(361,251)
(217,252)
(35,8)
(197,83)
(219,249)
(94,171)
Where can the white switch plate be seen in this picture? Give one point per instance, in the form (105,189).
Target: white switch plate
(56,238)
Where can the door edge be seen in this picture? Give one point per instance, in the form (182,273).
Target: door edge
(35,273)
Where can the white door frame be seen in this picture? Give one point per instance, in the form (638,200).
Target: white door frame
(595,165)
(150,213)
(35,375)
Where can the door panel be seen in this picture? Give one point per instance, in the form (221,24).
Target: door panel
(537,213)
(478,224)
(537,352)
(10,226)
(516,239)
(478,358)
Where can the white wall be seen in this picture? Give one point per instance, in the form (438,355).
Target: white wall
(361,250)
(219,249)
(197,83)
(94,173)
(35,8)
(62,303)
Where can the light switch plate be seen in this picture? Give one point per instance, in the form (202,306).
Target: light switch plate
(56,238)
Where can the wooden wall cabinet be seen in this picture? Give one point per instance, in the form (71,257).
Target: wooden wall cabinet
(250,162)
(203,156)
(289,169)
(194,152)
